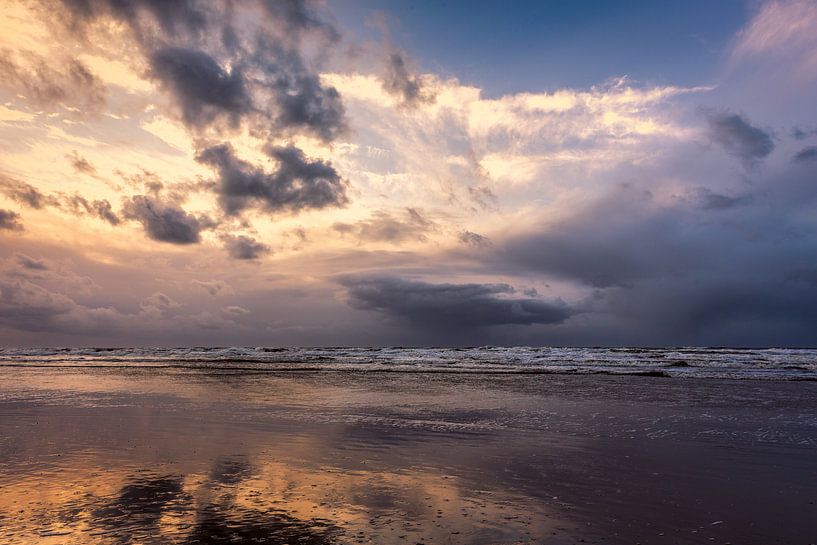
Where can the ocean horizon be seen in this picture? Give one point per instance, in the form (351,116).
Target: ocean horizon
(408,272)
(675,362)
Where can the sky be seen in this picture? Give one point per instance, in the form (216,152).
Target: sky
(355,172)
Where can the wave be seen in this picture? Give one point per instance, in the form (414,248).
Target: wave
(677,362)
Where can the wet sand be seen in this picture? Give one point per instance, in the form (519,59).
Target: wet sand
(119,456)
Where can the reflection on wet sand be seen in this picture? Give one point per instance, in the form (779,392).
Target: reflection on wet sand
(101,458)
(266,502)
(240,483)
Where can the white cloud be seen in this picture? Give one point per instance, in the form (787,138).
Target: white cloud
(779,28)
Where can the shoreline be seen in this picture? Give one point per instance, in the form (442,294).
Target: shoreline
(98,457)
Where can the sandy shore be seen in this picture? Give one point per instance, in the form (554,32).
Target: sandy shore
(178,456)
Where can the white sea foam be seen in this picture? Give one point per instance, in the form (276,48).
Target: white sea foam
(770,363)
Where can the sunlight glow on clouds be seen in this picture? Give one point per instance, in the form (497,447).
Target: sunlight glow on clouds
(321,190)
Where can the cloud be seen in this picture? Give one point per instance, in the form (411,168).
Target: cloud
(76,204)
(10,220)
(164,221)
(299,234)
(735,134)
(209,320)
(50,82)
(451,306)
(202,89)
(28,262)
(709,200)
(100,208)
(653,270)
(780,28)
(595,255)
(26,306)
(172,16)
(481,156)
(29,195)
(42,296)
(158,304)
(600,195)
(235,310)
(26,194)
(627,237)
(298,99)
(799,133)
(256,73)
(296,184)
(470,238)
(50,274)
(772,64)
(298,16)
(81,164)
(214,287)
(806,154)
(384,227)
(244,247)
(398,81)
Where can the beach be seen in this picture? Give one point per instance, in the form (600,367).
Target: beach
(371,272)
(116,453)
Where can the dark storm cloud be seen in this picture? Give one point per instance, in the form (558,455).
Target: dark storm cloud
(99,208)
(735,134)
(297,16)
(191,17)
(451,306)
(202,88)
(171,16)
(399,81)
(296,184)
(619,241)
(806,154)
(718,307)
(10,220)
(798,133)
(577,252)
(384,227)
(629,237)
(48,83)
(709,200)
(164,222)
(719,268)
(292,94)
(261,79)
(303,103)
(244,247)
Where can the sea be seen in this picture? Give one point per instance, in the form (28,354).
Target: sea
(780,364)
